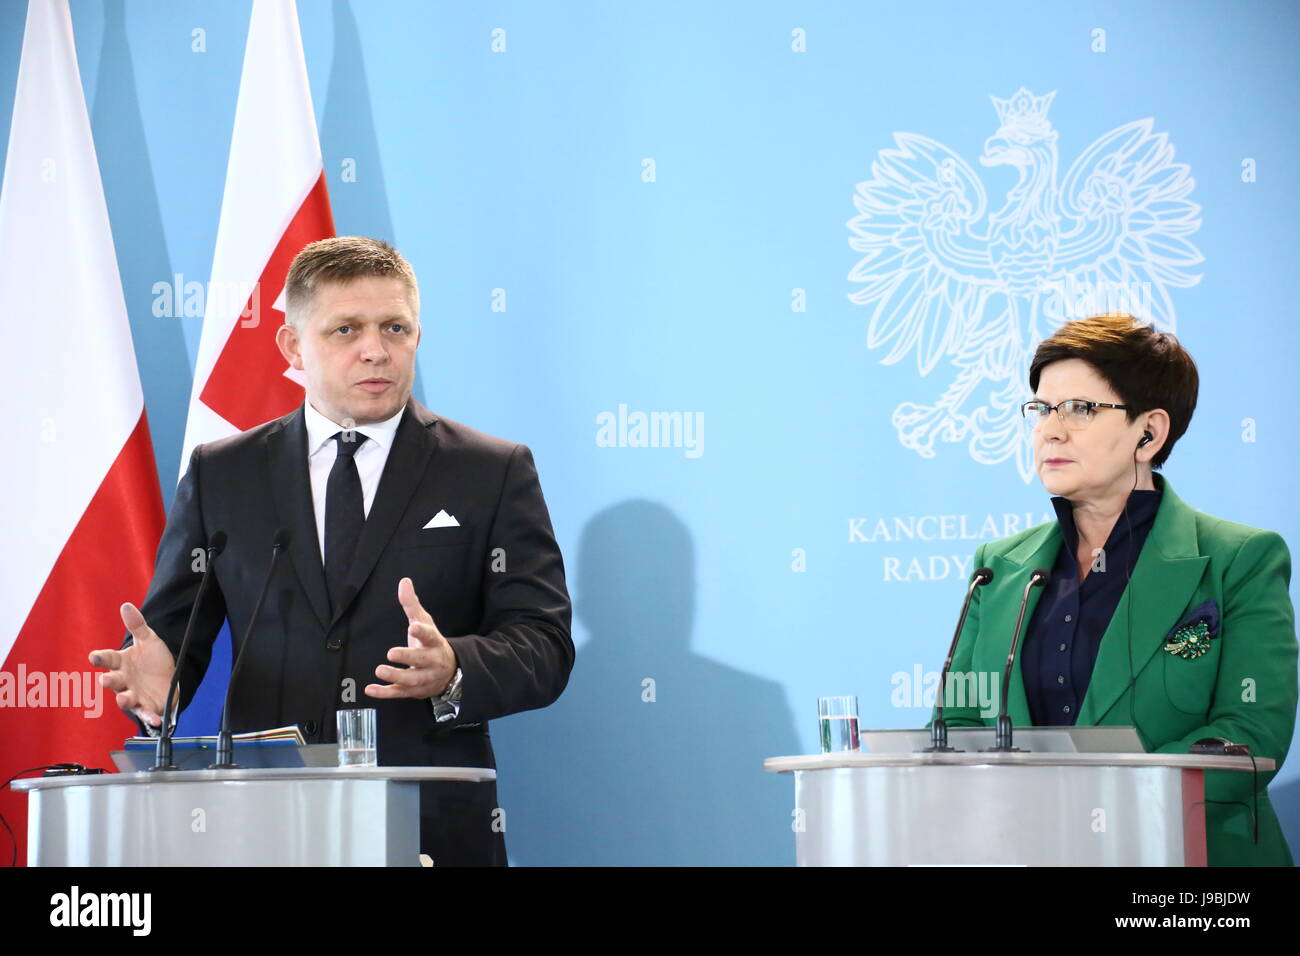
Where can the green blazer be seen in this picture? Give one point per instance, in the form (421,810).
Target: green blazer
(1243,689)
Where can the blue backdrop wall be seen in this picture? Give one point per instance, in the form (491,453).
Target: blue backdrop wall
(662,198)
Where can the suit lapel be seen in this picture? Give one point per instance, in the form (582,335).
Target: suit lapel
(413,445)
(291,491)
(1165,579)
(1010,575)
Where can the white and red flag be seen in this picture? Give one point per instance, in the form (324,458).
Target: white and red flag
(275,203)
(80,505)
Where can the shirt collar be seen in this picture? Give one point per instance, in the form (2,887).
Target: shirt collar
(1142,508)
(321,429)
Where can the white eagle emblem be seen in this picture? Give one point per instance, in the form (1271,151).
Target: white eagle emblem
(981,292)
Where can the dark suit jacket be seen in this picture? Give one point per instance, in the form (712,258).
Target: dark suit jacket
(494,586)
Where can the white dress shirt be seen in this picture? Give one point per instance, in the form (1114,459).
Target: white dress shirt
(322,450)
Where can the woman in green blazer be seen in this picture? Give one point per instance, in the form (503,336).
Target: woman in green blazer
(1156,616)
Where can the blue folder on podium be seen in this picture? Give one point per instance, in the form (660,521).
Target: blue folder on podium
(281,748)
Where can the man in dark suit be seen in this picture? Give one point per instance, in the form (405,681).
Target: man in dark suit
(404,529)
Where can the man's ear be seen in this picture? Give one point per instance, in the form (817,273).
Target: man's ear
(286,339)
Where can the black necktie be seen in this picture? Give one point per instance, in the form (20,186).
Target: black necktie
(345,513)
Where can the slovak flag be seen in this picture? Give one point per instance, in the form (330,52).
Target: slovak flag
(275,203)
(79,497)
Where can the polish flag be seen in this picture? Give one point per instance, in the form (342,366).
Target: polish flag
(80,506)
(275,203)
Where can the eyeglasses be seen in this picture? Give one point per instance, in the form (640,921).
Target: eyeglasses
(1074,412)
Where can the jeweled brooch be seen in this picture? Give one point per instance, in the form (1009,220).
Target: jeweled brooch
(1190,642)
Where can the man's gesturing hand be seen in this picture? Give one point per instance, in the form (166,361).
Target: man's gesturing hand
(141,673)
(429,657)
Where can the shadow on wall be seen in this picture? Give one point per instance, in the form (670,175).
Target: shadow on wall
(350,147)
(621,771)
(142,254)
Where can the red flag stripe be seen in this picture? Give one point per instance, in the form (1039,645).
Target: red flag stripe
(250,353)
(108,559)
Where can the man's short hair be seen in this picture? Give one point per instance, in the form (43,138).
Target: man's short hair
(342,259)
(1147,369)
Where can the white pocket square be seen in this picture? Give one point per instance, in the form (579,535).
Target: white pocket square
(443,520)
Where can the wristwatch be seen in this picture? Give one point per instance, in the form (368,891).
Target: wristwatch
(446,706)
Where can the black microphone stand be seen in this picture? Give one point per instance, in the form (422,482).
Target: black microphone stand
(939,729)
(1003,742)
(226,740)
(163,749)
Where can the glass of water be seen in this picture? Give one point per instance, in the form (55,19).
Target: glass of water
(838,717)
(357,737)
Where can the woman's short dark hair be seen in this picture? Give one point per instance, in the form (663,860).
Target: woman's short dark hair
(1147,369)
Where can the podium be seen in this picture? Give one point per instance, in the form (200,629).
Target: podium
(1011,809)
(301,816)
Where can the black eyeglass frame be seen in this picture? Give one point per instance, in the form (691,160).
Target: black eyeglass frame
(1024,413)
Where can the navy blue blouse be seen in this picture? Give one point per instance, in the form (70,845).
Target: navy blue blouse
(1064,634)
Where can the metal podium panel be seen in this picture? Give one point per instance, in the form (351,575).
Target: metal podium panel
(318,823)
(308,816)
(1008,808)
(1045,815)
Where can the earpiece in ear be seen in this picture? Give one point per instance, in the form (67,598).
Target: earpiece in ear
(1147,438)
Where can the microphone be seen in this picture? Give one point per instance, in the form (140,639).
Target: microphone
(1003,741)
(939,729)
(225,741)
(163,749)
